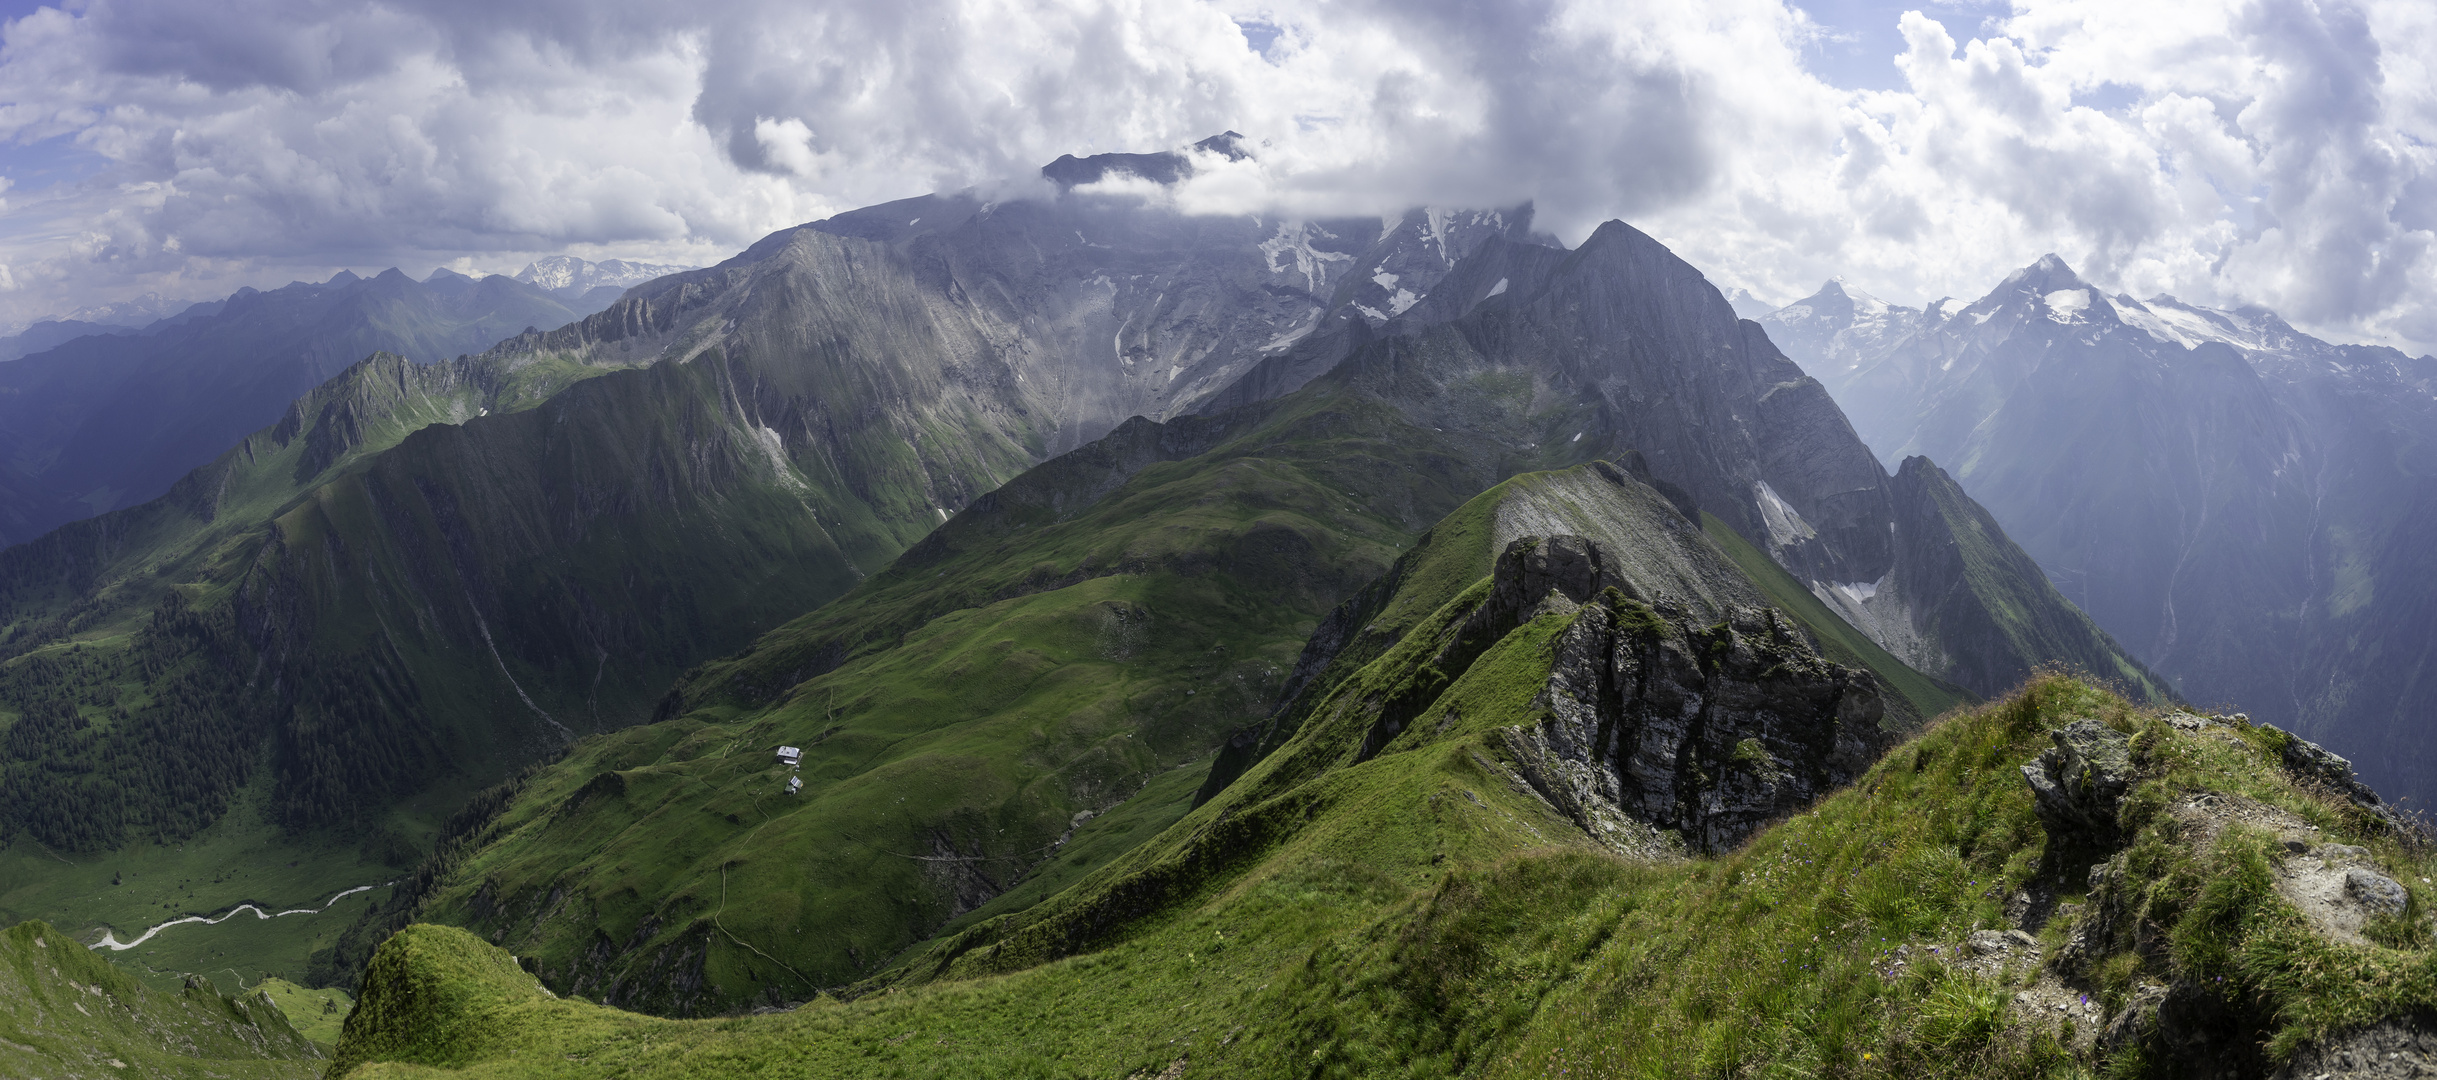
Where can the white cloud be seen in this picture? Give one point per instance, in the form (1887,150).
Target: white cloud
(2272,150)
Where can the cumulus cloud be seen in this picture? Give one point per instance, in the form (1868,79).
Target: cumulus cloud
(2243,150)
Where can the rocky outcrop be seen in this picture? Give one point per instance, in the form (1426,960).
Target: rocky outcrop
(2342,892)
(1650,718)
(2397,1048)
(2318,765)
(2076,784)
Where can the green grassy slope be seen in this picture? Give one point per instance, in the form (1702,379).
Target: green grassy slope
(318,1015)
(1086,628)
(67,1012)
(1415,916)
(1021,668)
(1414,907)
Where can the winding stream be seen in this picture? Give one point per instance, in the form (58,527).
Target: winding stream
(111,942)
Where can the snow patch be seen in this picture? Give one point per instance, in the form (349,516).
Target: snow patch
(2065,305)
(1786,526)
(1295,333)
(1496,289)
(1291,251)
(2143,319)
(1438,233)
(775,450)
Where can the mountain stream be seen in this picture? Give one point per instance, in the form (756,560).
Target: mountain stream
(111,942)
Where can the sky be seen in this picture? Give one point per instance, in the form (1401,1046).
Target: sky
(2275,152)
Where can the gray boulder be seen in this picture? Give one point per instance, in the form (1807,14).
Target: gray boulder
(2077,783)
(2382,895)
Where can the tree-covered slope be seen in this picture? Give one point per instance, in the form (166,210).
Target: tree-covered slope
(132,697)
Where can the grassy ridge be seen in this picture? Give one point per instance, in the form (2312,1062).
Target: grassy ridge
(1349,950)
(1028,665)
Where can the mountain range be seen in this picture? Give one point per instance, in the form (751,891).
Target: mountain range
(95,417)
(2240,503)
(1140,643)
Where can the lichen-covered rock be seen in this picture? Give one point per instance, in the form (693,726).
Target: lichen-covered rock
(2076,784)
(2380,894)
(1707,731)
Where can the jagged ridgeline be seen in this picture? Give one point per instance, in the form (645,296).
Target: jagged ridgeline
(428,574)
(67,1012)
(1009,703)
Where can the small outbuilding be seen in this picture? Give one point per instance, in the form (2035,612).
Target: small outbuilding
(795,784)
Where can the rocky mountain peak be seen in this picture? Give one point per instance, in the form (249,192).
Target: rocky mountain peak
(2049,275)
(1162,167)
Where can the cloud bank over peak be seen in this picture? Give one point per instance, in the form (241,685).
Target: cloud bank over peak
(2267,151)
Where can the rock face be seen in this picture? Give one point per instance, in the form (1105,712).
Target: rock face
(2397,1048)
(2077,783)
(1708,731)
(1633,351)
